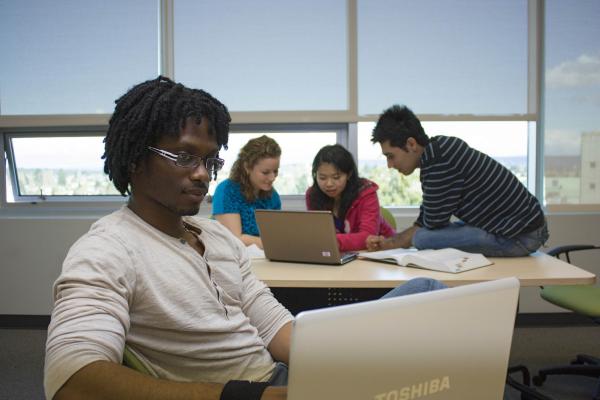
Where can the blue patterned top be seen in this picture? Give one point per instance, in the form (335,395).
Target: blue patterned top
(228,199)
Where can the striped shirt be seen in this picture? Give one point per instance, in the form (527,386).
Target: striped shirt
(461,181)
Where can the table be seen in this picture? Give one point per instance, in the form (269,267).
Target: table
(538,269)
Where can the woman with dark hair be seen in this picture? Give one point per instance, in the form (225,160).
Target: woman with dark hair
(352,199)
(249,187)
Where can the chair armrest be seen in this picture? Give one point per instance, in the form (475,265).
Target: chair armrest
(556,251)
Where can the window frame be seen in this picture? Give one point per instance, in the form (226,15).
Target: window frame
(103,203)
(63,205)
(83,131)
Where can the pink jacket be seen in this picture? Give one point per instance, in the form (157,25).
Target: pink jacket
(362,219)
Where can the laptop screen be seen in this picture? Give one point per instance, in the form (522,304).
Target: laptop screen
(448,344)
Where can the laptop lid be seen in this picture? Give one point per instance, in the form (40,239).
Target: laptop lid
(448,344)
(300,236)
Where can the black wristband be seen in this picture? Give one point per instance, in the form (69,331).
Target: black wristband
(243,390)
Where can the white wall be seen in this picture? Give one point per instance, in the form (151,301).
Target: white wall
(32,251)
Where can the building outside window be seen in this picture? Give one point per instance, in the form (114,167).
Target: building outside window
(572,102)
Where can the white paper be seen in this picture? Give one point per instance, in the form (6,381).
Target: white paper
(255,252)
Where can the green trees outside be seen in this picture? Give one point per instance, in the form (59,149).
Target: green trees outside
(63,182)
(395,189)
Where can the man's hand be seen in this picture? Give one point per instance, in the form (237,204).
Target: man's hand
(402,239)
(374,242)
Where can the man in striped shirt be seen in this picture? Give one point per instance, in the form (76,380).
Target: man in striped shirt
(495,213)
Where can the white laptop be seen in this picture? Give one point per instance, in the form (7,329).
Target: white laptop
(300,236)
(448,344)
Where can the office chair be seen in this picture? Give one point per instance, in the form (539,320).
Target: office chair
(584,300)
(524,388)
(387,215)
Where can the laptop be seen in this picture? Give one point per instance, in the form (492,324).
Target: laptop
(300,236)
(448,344)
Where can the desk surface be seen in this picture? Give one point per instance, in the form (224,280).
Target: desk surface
(539,269)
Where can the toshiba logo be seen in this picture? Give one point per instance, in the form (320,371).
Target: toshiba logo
(416,391)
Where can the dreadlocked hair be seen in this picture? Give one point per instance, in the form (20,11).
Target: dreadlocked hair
(149,111)
(255,150)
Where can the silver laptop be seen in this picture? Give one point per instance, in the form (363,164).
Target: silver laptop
(448,344)
(300,236)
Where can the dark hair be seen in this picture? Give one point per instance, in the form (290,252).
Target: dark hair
(150,111)
(397,124)
(255,150)
(342,160)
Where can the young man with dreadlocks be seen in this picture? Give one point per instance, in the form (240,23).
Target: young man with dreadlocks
(174,288)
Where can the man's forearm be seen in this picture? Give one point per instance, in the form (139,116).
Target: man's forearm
(404,238)
(106,380)
(250,240)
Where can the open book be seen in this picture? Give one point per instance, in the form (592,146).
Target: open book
(444,260)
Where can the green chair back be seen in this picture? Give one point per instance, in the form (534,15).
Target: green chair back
(132,361)
(387,215)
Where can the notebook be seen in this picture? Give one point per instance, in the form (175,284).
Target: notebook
(448,344)
(300,236)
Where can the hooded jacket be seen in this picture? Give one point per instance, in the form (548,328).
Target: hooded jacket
(362,219)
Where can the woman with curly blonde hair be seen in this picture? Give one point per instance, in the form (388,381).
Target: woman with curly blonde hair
(249,187)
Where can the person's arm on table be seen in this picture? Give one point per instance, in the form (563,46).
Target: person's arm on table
(400,240)
(233,222)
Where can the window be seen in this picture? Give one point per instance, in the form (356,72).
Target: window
(51,166)
(572,102)
(298,148)
(469,68)
(47,168)
(443,56)
(395,190)
(507,142)
(74,57)
(264,55)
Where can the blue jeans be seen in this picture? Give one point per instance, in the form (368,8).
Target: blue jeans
(468,238)
(416,285)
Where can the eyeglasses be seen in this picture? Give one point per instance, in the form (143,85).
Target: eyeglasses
(186,160)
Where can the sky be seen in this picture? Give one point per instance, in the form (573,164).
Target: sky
(572,74)
(74,56)
(443,57)
(262,55)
